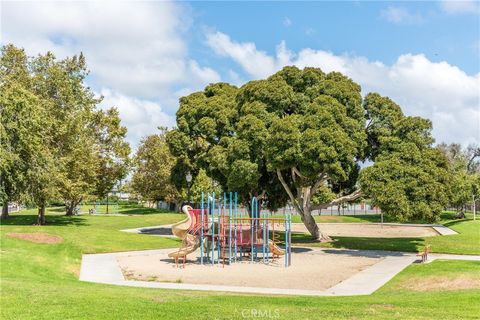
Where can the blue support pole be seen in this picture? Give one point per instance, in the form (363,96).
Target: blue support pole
(201,232)
(289,239)
(252,213)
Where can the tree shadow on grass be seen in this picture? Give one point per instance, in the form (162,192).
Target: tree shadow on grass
(157,231)
(365,253)
(51,220)
(142,211)
(454,222)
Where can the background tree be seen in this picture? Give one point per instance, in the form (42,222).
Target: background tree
(409,179)
(14,133)
(465,166)
(71,107)
(54,139)
(23,156)
(25,162)
(153,164)
(203,183)
(112,151)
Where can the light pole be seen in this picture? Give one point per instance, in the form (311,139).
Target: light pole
(189,180)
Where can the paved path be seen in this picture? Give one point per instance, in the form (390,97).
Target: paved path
(104,268)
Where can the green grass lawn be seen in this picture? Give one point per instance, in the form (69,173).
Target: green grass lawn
(40,281)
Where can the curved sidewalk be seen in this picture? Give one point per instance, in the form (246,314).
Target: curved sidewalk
(104,268)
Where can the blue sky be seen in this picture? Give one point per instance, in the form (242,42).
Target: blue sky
(358,28)
(143,56)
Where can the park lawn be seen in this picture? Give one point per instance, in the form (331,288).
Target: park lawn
(40,281)
(436,276)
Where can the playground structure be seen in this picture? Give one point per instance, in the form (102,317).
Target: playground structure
(225,235)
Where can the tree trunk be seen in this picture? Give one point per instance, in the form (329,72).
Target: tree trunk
(41,215)
(304,207)
(5,211)
(312,226)
(69,209)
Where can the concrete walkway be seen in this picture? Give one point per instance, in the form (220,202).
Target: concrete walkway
(104,268)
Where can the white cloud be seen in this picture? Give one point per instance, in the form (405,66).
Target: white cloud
(465,6)
(140,116)
(255,62)
(399,15)
(435,90)
(137,48)
(287,22)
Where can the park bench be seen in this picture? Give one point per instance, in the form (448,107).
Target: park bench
(424,253)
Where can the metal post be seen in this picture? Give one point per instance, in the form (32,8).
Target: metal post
(286,240)
(235,235)
(474,208)
(213,228)
(251,227)
(268,238)
(219,242)
(241,234)
(289,240)
(264,238)
(201,232)
(230,231)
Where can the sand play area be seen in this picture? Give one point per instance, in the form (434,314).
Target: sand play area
(312,269)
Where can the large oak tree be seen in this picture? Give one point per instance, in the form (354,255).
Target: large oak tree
(301,136)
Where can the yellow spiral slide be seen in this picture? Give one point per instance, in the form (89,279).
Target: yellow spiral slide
(190,242)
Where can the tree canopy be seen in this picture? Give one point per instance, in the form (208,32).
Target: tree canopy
(465,169)
(301,136)
(56,142)
(152,167)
